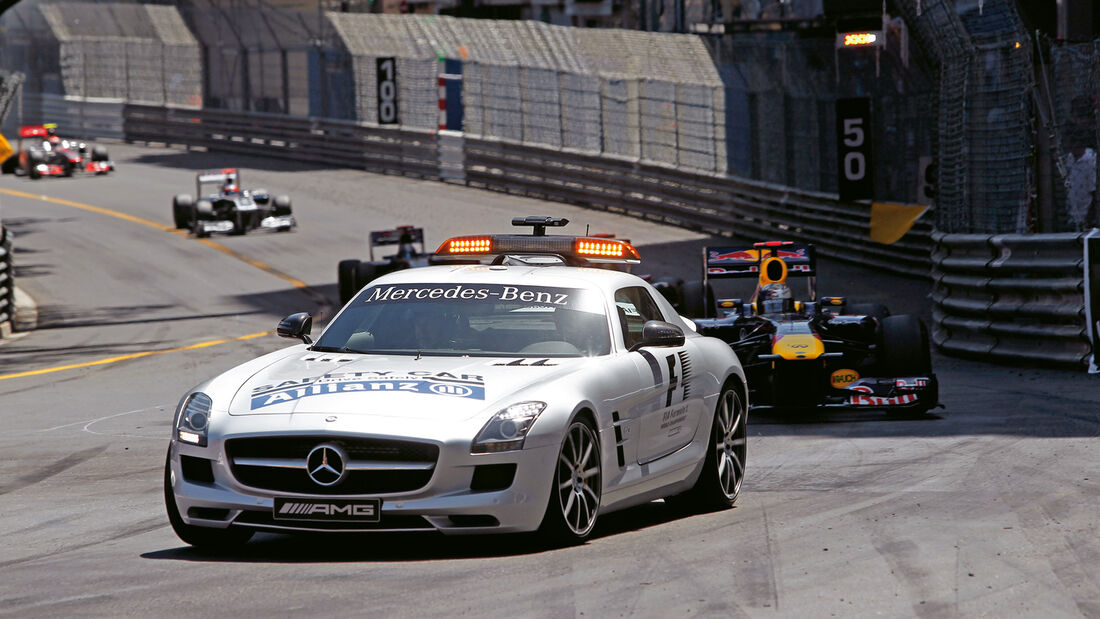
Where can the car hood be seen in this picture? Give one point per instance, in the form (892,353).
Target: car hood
(444,388)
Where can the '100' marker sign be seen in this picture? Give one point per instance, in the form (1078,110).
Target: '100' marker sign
(387,91)
(853,146)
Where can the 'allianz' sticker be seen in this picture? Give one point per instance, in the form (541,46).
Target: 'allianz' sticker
(438,383)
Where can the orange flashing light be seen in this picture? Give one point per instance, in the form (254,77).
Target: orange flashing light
(855,39)
(600,248)
(467,245)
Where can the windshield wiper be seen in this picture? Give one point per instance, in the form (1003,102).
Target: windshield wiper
(335,349)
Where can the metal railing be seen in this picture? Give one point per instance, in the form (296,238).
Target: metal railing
(1011,297)
(697,200)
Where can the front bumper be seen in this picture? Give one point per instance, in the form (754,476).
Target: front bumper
(447,503)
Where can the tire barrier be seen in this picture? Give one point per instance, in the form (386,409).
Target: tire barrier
(7,282)
(1011,297)
(708,202)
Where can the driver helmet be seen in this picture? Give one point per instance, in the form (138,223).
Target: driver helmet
(777,298)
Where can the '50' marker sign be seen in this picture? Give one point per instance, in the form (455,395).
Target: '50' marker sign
(853,146)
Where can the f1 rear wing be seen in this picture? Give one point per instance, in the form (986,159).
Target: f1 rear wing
(397,236)
(219,176)
(35,131)
(738,262)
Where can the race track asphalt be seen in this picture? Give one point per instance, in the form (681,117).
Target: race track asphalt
(988,507)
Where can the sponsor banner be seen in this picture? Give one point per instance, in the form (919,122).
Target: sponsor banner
(441,383)
(572,298)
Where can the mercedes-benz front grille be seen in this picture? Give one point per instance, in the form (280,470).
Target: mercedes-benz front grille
(374,466)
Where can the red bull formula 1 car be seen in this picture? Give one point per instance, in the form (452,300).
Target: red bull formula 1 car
(40,152)
(815,353)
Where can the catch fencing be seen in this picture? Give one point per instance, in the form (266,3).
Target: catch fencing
(1011,297)
(653,97)
(101,52)
(1071,89)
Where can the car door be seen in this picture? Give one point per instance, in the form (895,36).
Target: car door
(669,415)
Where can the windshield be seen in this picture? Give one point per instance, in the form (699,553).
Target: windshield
(471,319)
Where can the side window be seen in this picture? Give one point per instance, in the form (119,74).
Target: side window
(634,307)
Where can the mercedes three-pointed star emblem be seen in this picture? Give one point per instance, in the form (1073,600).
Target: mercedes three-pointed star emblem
(326,464)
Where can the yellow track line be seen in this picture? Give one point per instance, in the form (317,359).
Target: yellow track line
(136,355)
(297,283)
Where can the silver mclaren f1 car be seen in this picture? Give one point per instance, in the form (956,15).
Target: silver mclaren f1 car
(534,393)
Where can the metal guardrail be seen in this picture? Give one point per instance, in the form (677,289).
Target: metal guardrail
(316,140)
(94,118)
(1011,297)
(7,282)
(696,200)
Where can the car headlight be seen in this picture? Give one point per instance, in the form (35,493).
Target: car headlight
(193,419)
(507,429)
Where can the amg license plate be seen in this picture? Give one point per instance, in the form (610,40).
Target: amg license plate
(328,510)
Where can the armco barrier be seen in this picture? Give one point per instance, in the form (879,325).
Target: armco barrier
(94,118)
(1010,297)
(697,200)
(7,282)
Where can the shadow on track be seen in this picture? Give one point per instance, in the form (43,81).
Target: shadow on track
(195,160)
(419,546)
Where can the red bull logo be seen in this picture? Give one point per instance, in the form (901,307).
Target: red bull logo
(741,255)
(799,254)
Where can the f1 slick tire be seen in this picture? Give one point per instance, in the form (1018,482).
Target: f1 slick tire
(183,211)
(877,311)
(904,350)
(9,165)
(697,301)
(346,279)
(366,272)
(99,153)
(201,537)
(282,205)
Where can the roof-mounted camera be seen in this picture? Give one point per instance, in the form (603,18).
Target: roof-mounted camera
(539,223)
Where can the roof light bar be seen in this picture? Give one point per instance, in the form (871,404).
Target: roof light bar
(589,249)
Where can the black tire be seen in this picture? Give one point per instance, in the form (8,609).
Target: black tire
(366,272)
(197,229)
(204,209)
(695,302)
(904,347)
(32,165)
(282,205)
(723,471)
(200,537)
(572,510)
(877,311)
(10,164)
(99,153)
(183,211)
(346,279)
(670,291)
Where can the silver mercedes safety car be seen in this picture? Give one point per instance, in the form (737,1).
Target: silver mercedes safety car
(531,394)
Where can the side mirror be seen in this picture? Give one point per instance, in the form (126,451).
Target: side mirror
(661,334)
(296,326)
